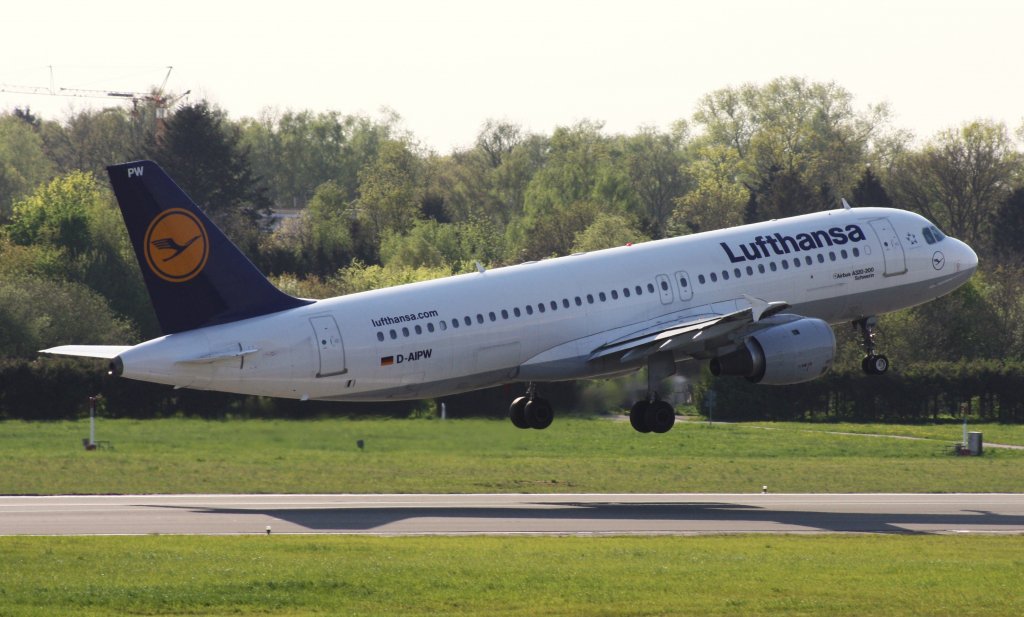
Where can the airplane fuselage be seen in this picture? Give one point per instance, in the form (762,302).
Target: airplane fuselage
(542,321)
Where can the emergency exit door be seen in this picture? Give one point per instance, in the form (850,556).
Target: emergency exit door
(329,344)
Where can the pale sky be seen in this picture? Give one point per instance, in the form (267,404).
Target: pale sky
(448,66)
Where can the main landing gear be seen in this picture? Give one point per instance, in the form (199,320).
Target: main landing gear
(872,364)
(652,415)
(649,415)
(531,411)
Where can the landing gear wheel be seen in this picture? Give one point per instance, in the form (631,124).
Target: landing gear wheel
(517,413)
(538,413)
(638,416)
(875,365)
(660,417)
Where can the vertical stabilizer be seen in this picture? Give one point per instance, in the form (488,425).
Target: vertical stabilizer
(195,276)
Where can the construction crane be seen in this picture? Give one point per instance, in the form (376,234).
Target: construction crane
(161,99)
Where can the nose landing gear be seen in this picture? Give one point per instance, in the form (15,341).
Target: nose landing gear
(872,364)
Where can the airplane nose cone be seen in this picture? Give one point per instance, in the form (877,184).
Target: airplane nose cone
(967,259)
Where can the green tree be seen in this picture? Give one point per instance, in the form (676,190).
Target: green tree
(202,151)
(72,232)
(1008,227)
(390,192)
(607,231)
(959,179)
(581,178)
(36,313)
(297,151)
(23,162)
(716,200)
(91,140)
(654,163)
(870,192)
(455,246)
(805,135)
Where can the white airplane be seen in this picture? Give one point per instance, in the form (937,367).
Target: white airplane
(755,300)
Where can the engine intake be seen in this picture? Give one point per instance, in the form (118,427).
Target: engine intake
(792,352)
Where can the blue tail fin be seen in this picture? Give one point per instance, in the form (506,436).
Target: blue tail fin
(195,276)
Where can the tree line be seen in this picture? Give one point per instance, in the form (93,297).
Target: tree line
(328,203)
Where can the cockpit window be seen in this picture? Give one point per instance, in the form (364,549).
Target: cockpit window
(932,234)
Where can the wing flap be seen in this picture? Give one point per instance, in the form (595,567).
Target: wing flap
(702,329)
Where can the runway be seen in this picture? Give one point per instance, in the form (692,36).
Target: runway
(534,514)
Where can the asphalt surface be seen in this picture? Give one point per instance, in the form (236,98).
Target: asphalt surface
(537,514)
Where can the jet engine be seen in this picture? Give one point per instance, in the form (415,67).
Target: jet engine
(793,352)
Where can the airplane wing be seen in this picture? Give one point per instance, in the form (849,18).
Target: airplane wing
(108,352)
(694,334)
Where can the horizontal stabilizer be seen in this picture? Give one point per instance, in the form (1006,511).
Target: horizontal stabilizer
(107,352)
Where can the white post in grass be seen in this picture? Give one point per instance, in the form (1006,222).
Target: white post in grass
(963,412)
(92,421)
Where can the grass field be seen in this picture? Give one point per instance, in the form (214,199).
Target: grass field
(726,575)
(417,456)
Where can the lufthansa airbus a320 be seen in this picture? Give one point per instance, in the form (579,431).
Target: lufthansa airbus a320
(756,301)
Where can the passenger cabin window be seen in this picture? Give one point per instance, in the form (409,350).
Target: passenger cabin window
(650,288)
(380,336)
(700,279)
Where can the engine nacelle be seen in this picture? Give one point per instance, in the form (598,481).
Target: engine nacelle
(788,353)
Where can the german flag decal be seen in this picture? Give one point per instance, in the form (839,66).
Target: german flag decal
(387,360)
